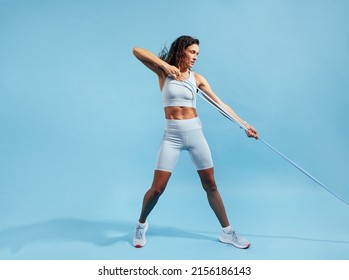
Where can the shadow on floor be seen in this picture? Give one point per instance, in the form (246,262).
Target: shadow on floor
(99,233)
(102,233)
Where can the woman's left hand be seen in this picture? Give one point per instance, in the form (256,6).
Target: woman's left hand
(251,131)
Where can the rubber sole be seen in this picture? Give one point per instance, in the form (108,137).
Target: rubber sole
(235,245)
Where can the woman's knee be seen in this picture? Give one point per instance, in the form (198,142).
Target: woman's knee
(207,180)
(159,183)
(210,186)
(157,191)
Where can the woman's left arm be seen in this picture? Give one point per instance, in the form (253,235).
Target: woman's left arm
(202,84)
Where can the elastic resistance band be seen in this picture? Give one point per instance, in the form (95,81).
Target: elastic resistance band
(209,100)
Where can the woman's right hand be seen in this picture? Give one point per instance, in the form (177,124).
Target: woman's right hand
(172,71)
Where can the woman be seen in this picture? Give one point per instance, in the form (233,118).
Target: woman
(183,131)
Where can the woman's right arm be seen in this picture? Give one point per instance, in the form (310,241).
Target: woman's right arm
(154,63)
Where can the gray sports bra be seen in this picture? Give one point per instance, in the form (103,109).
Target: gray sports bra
(179,93)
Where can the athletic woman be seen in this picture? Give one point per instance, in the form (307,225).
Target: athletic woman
(183,131)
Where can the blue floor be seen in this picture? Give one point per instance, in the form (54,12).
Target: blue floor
(281,221)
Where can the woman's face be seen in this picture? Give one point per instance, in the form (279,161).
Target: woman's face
(190,56)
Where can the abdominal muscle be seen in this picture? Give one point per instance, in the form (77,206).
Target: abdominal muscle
(180,113)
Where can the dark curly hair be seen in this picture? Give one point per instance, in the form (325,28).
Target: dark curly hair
(176,52)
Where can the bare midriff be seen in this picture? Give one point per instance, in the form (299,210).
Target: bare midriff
(180,113)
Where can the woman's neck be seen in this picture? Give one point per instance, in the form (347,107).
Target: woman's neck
(185,72)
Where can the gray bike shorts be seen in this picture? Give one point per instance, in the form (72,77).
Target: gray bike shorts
(182,135)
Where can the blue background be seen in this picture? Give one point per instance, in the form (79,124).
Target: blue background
(81,121)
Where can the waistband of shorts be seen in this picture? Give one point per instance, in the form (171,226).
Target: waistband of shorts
(183,125)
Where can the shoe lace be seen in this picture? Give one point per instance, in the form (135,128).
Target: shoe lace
(139,232)
(234,235)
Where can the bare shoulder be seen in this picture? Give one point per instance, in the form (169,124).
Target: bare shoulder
(197,76)
(200,80)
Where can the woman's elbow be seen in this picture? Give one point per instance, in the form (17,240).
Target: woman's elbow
(136,51)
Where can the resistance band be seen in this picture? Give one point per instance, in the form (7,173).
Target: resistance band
(209,100)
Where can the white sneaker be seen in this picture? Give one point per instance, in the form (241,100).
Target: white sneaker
(233,238)
(139,235)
